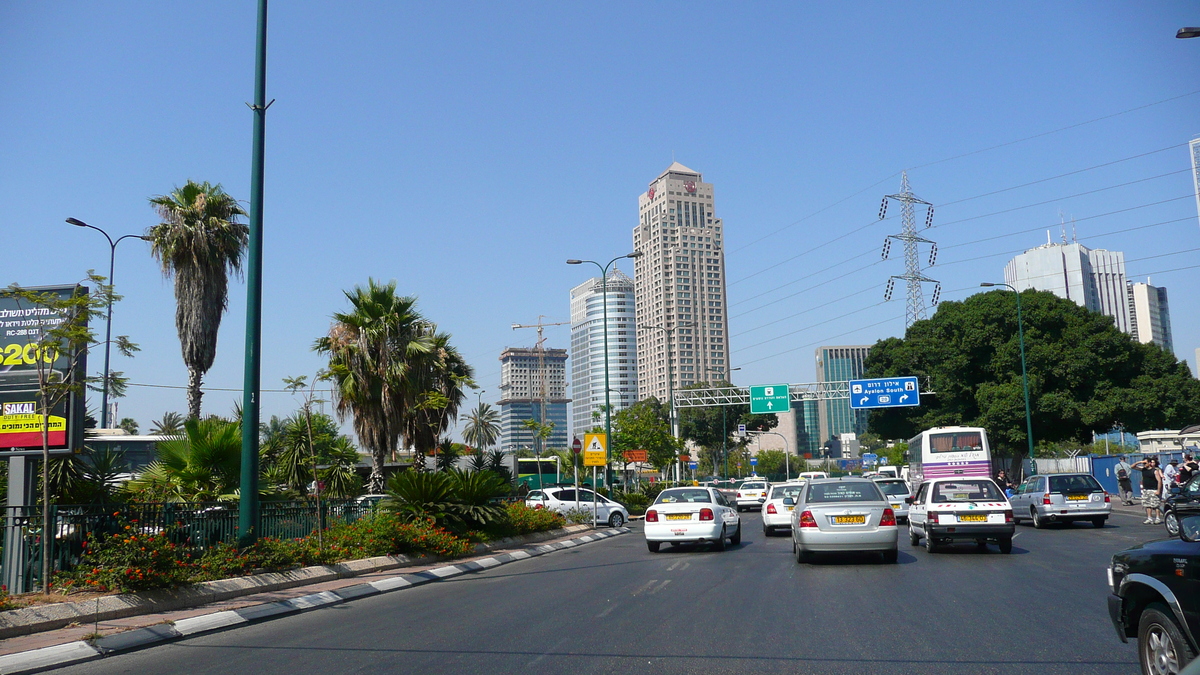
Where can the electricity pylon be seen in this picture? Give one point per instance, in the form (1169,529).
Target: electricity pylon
(915,309)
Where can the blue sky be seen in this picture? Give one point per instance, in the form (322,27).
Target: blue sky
(467,150)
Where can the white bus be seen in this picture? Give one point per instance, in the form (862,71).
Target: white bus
(949,452)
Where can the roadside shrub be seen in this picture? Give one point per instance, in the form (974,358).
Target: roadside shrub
(387,534)
(130,560)
(523,520)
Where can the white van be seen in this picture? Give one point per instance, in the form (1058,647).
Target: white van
(812,475)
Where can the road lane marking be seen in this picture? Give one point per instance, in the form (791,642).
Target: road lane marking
(645,587)
(606,611)
(659,587)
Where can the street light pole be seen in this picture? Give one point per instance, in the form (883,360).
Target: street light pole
(1024,372)
(604,301)
(112,260)
(724,426)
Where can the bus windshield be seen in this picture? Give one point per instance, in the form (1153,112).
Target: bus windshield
(956,441)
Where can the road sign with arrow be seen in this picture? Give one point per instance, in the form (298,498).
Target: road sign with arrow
(769,398)
(885,392)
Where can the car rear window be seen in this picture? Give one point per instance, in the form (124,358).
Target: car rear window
(786,491)
(893,488)
(1065,484)
(966,491)
(753,486)
(683,496)
(843,492)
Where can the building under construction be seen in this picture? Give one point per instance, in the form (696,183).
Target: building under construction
(521,396)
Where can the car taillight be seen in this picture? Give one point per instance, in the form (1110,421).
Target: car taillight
(807,520)
(932,517)
(706,514)
(1106,499)
(1046,498)
(771,508)
(888,519)
(739,494)
(652,516)
(1008,516)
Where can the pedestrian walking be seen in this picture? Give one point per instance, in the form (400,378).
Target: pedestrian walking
(1003,481)
(1152,485)
(1124,481)
(1171,472)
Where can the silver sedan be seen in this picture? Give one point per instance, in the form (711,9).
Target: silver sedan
(843,515)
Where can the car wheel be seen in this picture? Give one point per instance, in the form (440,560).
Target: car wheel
(1006,545)
(891,557)
(1037,520)
(616,519)
(719,544)
(1171,521)
(1162,648)
(766,531)
(913,537)
(653,546)
(802,556)
(1098,521)
(930,545)
(737,536)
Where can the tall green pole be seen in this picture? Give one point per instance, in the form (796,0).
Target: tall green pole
(248,504)
(1024,375)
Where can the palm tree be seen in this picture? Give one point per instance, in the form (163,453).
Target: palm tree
(204,464)
(483,427)
(371,351)
(199,241)
(437,387)
(171,424)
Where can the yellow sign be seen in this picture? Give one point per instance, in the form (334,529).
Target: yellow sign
(595,450)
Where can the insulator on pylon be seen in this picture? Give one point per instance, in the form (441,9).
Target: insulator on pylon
(887,294)
(883,209)
(929,217)
(937,294)
(932,255)
(887,248)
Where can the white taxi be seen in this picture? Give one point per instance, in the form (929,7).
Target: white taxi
(775,514)
(751,493)
(698,515)
(946,510)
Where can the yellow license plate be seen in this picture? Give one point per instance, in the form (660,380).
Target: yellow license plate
(791,508)
(972,519)
(849,520)
(679,516)
(1077,498)
(895,506)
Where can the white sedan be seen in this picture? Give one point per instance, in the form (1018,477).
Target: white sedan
(692,515)
(775,514)
(565,499)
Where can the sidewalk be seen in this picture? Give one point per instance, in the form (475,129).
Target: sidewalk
(80,642)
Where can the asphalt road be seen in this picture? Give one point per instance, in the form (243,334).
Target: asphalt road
(613,607)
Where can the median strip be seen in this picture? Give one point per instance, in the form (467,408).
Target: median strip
(69,653)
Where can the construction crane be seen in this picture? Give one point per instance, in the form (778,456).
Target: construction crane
(541,342)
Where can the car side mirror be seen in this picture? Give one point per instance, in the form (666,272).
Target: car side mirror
(1189,527)
(788,501)
(910,500)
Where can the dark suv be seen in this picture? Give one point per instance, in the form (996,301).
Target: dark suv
(1184,496)
(1156,596)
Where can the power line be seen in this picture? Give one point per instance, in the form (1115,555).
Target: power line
(806,311)
(823,341)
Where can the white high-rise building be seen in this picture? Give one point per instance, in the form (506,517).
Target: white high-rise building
(1092,278)
(1150,315)
(587,348)
(682,313)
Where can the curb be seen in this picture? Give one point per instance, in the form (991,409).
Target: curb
(80,651)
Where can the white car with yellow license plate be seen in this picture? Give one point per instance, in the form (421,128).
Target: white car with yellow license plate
(752,493)
(695,515)
(775,514)
(842,515)
(946,510)
(895,490)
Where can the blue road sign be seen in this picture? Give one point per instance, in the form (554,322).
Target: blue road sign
(753,461)
(692,466)
(885,392)
(869,457)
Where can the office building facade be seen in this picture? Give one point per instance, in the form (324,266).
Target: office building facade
(523,397)
(839,364)
(1091,278)
(682,312)
(1150,315)
(587,349)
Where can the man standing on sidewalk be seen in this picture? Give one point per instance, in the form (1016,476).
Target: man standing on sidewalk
(1170,471)
(1124,481)
(1152,485)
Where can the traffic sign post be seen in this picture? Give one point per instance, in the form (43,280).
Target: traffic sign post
(769,398)
(595,453)
(869,458)
(741,431)
(885,392)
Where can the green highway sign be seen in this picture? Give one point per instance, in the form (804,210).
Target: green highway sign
(769,398)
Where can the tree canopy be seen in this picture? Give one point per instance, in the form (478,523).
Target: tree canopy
(645,426)
(1085,375)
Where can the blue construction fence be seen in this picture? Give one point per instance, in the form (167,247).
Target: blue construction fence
(1102,467)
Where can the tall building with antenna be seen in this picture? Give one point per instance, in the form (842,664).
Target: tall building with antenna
(682,312)
(1092,278)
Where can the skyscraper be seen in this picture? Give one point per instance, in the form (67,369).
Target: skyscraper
(839,364)
(1150,315)
(682,323)
(587,348)
(521,373)
(1091,278)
